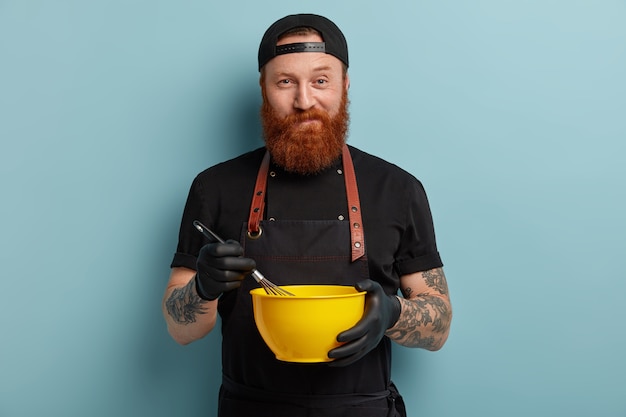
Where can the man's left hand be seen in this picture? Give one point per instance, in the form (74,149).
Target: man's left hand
(381,312)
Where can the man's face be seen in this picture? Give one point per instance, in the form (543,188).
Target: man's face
(304,110)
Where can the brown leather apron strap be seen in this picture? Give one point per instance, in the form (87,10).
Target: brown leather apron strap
(357,236)
(258,200)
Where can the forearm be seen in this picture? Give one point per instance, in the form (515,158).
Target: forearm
(424,322)
(188,316)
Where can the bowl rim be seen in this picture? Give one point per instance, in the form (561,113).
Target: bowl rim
(260,292)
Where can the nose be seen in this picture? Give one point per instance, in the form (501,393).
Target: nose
(304,99)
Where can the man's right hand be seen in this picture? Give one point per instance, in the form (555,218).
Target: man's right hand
(220,268)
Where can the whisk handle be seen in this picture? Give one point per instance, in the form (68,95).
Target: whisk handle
(208,233)
(258,277)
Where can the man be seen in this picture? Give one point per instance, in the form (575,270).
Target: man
(367,219)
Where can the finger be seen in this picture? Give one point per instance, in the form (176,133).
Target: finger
(365,285)
(359,330)
(230,248)
(231,276)
(221,275)
(231,285)
(337,363)
(228,263)
(348,349)
(235,264)
(347,360)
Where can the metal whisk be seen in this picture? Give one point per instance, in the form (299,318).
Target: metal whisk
(268,286)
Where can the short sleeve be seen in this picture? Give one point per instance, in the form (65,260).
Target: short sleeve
(418,248)
(189,240)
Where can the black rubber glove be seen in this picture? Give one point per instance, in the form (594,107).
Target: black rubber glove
(381,312)
(221,268)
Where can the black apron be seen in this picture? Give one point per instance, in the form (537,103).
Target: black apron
(300,252)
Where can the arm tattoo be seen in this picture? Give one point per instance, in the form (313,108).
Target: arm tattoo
(422,316)
(436,280)
(184,304)
(425,318)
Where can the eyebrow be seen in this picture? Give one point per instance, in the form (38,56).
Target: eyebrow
(315,70)
(322,68)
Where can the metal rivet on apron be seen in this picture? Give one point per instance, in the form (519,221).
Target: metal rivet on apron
(272,174)
(357,244)
(339,172)
(272,219)
(256,209)
(356,225)
(340,217)
(259,192)
(354,209)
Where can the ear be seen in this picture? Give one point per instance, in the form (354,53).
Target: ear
(346,82)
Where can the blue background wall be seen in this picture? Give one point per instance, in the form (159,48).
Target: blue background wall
(512,113)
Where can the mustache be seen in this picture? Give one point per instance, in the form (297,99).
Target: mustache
(307,115)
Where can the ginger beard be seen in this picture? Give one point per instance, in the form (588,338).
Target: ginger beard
(305,148)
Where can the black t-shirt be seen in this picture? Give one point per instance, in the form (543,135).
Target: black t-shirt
(397,222)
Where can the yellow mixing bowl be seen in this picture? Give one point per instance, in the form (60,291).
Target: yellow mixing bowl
(304,328)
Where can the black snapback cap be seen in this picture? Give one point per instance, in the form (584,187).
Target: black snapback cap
(334,42)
